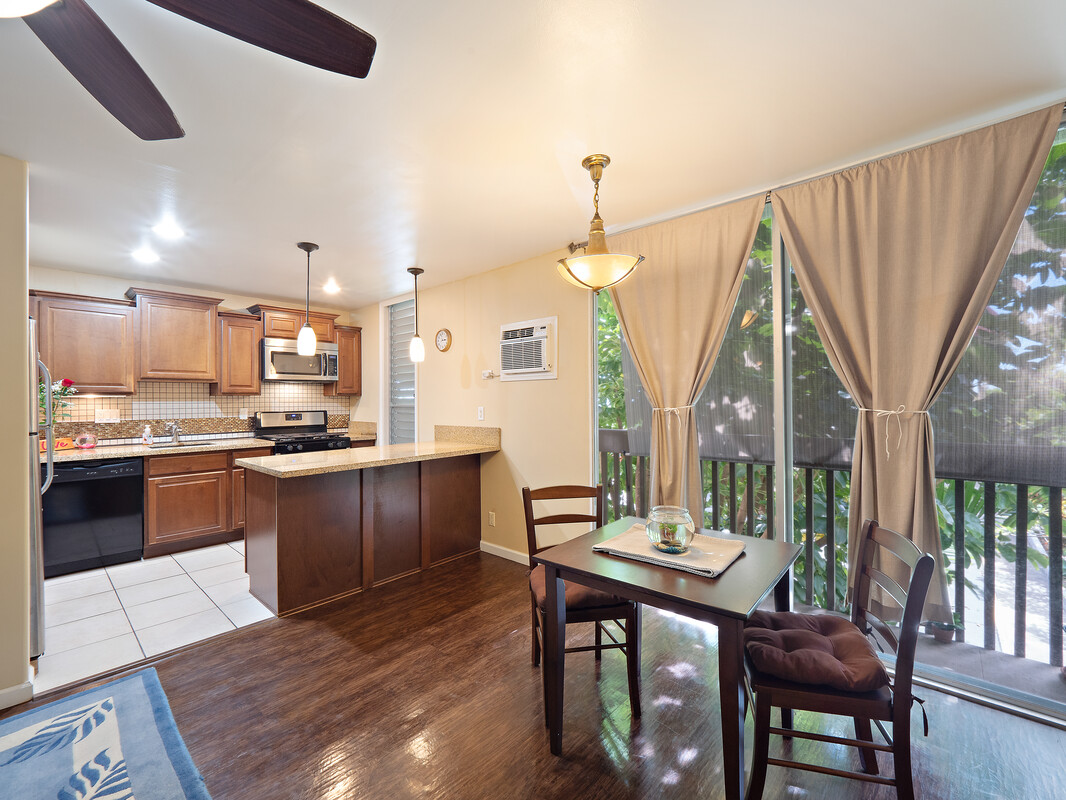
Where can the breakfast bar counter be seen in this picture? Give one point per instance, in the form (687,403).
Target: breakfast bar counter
(321,526)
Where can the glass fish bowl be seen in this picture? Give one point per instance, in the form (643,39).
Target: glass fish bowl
(670,529)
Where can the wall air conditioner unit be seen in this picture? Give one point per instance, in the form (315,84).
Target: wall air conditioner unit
(528,350)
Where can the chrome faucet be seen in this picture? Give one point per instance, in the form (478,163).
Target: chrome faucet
(174,429)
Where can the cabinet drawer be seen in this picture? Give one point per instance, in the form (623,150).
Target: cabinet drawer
(255,453)
(194,462)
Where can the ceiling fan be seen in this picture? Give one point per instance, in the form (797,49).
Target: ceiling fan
(296,29)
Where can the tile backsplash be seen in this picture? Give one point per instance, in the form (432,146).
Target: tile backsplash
(156,402)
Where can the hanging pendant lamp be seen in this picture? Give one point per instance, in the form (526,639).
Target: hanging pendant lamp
(417,351)
(306,342)
(598,268)
(22,8)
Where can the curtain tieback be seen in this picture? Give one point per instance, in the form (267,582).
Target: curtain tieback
(895,413)
(675,410)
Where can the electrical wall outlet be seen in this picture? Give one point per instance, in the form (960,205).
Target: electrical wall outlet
(106,415)
(242,413)
(492,519)
(481,413)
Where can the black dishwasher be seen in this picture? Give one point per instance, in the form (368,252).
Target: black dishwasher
(93,515)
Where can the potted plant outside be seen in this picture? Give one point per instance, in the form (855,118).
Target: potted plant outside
(946,631)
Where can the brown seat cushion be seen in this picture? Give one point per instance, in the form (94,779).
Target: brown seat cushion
(577,596)
(815,649)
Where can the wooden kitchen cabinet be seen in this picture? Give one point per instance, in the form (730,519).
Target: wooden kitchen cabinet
(349,363)
(285,323)
(186,497)
(239,353)
(88,340)
(237,484)
(176,335)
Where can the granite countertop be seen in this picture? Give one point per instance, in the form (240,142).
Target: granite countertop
(139,450)
(450,442)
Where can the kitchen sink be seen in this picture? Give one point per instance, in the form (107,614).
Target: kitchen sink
(161,445)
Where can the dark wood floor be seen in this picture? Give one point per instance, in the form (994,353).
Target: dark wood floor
(424,688)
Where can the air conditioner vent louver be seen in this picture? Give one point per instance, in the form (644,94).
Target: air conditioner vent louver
(517,333)
(527,350)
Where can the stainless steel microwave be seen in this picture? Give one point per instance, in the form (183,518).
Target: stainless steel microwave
(281,362)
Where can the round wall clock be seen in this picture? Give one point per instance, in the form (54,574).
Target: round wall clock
(443,339)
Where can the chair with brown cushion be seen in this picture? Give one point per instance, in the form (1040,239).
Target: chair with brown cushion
(826,664)
(583,604)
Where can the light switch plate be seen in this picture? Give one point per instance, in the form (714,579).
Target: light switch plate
(242,413)
(106,415)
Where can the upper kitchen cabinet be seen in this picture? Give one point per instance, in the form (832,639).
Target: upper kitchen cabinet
(238,353)
(349,363)
(177,335)
(88,340)
(285,323)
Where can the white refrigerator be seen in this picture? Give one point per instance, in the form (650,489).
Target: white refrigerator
(38,372)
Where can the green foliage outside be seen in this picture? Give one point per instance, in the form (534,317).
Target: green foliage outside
(1030,354)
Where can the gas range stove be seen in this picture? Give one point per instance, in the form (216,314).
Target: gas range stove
(298,431)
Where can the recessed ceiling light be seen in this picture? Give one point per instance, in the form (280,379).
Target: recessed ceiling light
(168,229)
(331,287)
(145,255)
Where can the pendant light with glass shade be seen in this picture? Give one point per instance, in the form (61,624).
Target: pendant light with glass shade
(22,8)
(306,342)
(417,350)
(599,267)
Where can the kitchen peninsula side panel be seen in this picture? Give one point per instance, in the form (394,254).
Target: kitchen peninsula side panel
(451,508)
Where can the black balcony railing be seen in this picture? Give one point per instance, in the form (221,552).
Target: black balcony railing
(739,496)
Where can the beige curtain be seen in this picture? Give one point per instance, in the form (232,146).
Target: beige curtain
(897,260)
(673,312)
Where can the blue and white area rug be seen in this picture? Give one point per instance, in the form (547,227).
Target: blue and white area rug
(114,742)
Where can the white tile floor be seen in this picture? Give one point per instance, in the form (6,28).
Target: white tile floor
(105,618)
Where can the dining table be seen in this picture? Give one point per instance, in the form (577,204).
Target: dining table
(726,601)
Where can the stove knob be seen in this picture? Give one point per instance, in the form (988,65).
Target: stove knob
(299,447)
(288,448)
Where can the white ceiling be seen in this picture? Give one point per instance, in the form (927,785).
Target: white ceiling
(461,151)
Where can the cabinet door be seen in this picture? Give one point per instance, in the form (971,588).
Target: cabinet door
(349,363)
(239,355)
(89,342)
(177,339)
(322,325)
(187,506)
(280,324)
(237,482)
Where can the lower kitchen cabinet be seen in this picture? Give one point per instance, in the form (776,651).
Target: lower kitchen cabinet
(187,506)
(193,500)
(237,484)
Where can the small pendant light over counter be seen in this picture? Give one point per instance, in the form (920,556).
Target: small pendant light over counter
(598,268)
(306,342)
(418,348)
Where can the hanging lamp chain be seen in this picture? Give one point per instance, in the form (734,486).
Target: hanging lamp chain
(307,294)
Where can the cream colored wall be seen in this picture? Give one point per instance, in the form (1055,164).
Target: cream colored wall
(58,280)
(14,433)
(547,433)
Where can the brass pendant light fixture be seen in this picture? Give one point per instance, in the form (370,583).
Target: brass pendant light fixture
(598,268)
(417,351)
(306,341)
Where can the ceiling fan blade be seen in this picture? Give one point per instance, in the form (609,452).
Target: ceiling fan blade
(296,29)
(94,55)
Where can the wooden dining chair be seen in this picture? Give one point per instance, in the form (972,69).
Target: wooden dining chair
(827,664)
(583,604)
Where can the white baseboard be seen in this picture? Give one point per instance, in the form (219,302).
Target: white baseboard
(504,552)
(16,695)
